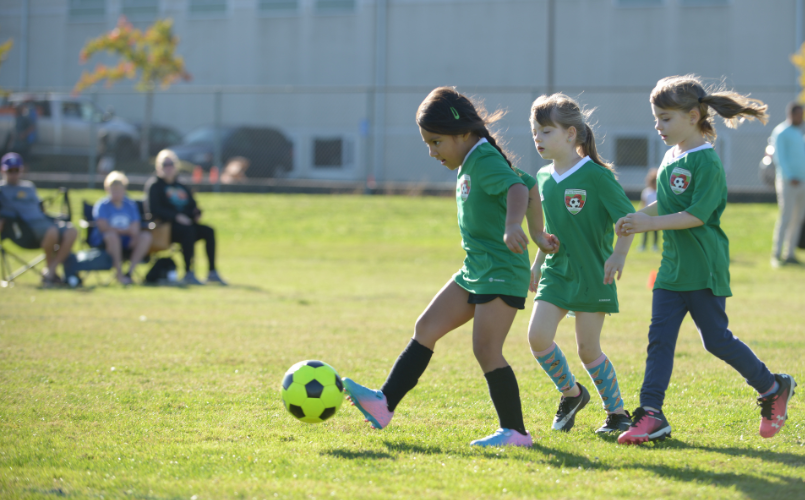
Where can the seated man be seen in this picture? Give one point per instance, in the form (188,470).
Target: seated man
(117,226)
(18,199)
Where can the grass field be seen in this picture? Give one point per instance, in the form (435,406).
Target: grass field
(140,392)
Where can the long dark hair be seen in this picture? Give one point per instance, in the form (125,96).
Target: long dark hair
(560,109)
(685,93)
(447,112)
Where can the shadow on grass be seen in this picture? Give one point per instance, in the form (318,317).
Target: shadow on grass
(765,455)
(402,447)
(359,454)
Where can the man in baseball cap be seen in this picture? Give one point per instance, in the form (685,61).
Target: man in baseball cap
(19,202)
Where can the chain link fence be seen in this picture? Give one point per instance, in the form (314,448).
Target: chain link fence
(351,137)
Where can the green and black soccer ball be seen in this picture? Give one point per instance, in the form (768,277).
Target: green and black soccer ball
(312,391)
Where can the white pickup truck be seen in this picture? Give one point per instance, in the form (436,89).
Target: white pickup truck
(64,125)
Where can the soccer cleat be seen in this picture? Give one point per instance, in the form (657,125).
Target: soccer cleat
(616,422)
(647,425)
(568,407)
(774,408)
(505,437)
(371,403)
(214,277)
(190,279)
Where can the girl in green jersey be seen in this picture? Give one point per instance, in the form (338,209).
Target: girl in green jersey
(581,200)
(694,275)
(492,198)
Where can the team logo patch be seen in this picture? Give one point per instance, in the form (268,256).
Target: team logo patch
(464,187)
(680,180)
(575,199)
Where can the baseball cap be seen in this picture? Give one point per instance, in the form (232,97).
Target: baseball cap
(10,160)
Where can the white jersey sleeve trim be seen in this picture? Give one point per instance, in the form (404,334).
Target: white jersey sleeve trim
(559,178)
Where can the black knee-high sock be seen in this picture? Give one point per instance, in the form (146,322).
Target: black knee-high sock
(505,395)
(406,372)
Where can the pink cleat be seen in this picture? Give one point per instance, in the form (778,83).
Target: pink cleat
(505,437)
(647,425)
(774,408)
(371,403)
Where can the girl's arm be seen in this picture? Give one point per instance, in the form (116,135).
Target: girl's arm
(536,270)
(546,242)
(516,205)
(617,260)
(648,220)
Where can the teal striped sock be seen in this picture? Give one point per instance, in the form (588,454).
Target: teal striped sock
(553,361)
(606,382)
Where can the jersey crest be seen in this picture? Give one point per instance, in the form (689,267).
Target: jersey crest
(575,199)
(464,187)
(680,180)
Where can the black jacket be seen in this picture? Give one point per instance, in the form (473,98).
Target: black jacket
(164,201)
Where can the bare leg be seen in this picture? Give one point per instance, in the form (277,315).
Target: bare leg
(447,311)
(66,246)
(112,241)
(141,244)
(489,330)
(49,241)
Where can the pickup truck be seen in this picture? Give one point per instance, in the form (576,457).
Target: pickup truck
(64,125)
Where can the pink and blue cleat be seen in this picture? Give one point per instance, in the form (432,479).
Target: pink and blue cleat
(371,403)
(505,437)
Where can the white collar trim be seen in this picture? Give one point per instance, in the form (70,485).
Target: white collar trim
(480,141)
(559,178)
(706,145)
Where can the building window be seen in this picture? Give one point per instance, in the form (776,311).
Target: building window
(639,3)
(208,7)
(631,152)
(332,152)
(86,10)
(335,6)
(140,9)
(278,6)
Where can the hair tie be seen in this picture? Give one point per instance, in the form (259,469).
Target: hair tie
(455,113)
(700,100)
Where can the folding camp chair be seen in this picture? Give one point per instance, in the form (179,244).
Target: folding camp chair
(57,208)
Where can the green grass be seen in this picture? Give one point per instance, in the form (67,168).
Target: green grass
(112,392)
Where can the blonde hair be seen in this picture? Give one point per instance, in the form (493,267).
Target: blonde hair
(113,177)
(561,110)
(685,93)
(164,155)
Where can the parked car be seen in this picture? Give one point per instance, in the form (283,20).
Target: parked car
(159,137)
(63,125)
(269,151)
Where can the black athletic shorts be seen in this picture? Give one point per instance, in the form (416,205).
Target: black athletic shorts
(510,300)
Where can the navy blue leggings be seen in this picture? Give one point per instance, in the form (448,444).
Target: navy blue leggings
(668,309)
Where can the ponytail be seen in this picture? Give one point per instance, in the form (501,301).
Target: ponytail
(687,92)
(445,111)
(559,109)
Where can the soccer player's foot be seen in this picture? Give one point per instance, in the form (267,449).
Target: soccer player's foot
(505,437)
(214,277)
(565,417)
(616,422)
(774,408)
(370,402)
(647,425)
(190,279)
(792,260)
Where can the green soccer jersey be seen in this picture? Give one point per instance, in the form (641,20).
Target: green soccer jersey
(581,207)
(698,257)
(481,193)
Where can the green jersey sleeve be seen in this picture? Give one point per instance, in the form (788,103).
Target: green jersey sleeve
(615,201)
(495,176)
(709,181)
(530,182)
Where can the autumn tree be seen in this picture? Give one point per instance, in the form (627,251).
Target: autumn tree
(149,56)
(4,49)
(798,60)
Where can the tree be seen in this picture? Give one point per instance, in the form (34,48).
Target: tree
(4,48)
(151,53)
(798,60)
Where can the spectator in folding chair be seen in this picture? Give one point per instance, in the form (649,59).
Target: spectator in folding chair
(168,200)
(18,200)
(118,226)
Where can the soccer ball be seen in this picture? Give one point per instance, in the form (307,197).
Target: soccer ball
(679,182)
(312,391)
(575,203)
